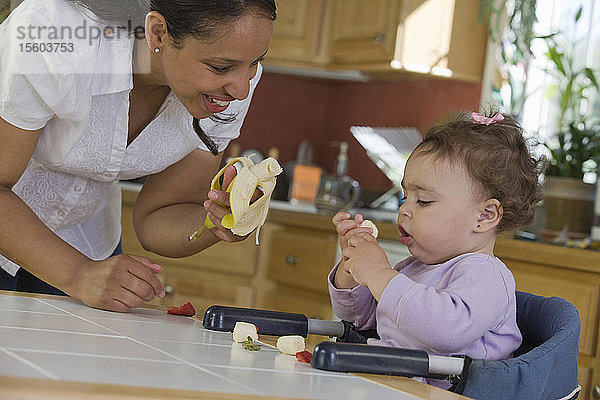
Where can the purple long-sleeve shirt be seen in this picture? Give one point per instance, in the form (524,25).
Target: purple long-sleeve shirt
(463,306)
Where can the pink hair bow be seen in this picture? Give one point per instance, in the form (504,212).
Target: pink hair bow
(480,119)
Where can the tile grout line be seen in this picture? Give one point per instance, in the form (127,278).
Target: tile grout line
(282,371)
(61,331)
(30,364)
(91,355)
(64,313)
(28,311)
(255,391)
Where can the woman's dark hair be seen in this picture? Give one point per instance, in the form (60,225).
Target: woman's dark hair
(199,19)
(497,157)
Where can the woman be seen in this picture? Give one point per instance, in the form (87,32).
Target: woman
(92,92)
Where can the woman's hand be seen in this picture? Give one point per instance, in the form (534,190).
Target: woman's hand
(217,207)
(119,283)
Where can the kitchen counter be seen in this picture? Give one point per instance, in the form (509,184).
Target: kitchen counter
(54,347)
(369,213)
(374,214)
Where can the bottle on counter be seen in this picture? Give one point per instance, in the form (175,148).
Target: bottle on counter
(338,191)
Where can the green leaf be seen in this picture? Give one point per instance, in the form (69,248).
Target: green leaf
(250,345)
(579,12)
(547,36)
(557,58)
(589,73)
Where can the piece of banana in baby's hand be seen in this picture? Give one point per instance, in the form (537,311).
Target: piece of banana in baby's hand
(368,224)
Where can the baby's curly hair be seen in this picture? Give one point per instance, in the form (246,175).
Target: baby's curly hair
(498,157)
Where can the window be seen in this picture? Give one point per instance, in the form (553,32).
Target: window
(580,38)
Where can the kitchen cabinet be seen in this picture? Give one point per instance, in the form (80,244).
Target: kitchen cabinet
(573,274)
(437,37)
(302,257)
(222,274)
(295,260)
(362,32)
(331,33)
(296,36)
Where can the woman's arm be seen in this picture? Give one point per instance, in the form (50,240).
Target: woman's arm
(118,283)
(170,207)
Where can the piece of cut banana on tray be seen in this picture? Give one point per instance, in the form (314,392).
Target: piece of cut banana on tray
(243,330)
(290,344)
(245,216)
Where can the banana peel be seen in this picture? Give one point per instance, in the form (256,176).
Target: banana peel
(245,217)
(208,224)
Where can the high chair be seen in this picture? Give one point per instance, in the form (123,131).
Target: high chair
(543,368)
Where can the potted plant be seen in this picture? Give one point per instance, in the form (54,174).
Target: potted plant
(575,149)
(511,29)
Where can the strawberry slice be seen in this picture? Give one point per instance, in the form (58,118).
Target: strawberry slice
(304,356)
(187,310)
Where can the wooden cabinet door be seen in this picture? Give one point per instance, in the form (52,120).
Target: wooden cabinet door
(301,257)
(203,289)
(585,376)
(442,37)
(289,299)
(438,37)
(580,288)
(238,258)
(297,32)
(363,31)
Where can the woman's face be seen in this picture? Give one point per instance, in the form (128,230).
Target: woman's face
(207,74)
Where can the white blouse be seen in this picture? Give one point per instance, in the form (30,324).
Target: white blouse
(81,100)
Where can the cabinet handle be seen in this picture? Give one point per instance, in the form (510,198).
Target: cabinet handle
(169,289)
(378,38)
(293,260)
(596,392)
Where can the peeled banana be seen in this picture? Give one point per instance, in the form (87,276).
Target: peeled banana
(246,217)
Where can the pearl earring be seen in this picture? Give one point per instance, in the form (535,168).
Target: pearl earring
(156,50)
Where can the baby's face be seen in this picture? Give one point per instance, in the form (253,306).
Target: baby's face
(438,218)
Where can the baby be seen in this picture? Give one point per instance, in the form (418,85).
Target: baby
(466,182)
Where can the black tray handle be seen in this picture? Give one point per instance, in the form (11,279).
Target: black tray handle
(223,318)
(353,357)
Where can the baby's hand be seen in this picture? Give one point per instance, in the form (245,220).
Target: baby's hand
(345,227)
(364,258)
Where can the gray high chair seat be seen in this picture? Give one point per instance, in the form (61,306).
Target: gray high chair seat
(543,368)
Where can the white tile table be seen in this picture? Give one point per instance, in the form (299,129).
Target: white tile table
(60,344)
